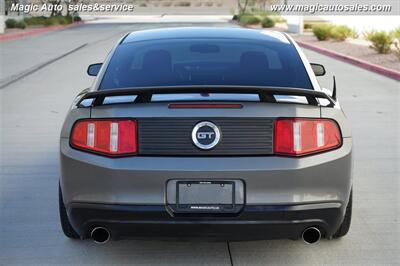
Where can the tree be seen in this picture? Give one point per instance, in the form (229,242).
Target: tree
(8,4)
(242,6)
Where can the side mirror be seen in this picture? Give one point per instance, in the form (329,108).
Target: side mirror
(94,69)
(319,70)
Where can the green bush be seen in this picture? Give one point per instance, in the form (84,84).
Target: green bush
(183,3)
(51,21)
(267,22)
(396,42)
(272,15)
(396,33)
(10,23)
(35,20)
(380,40)
(322,31)
(20,24)
(307,26)
(249,19)
(61,20)
(396,51)
(77,18)
(277,18)
(340,32)
(68,18)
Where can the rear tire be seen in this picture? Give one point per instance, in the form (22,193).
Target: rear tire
(345,226)
(65,224)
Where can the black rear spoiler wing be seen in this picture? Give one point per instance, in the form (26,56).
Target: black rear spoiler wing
(266,93)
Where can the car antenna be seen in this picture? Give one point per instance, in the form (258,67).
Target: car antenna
(334,88)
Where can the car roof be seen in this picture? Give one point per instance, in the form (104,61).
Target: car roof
(206,33)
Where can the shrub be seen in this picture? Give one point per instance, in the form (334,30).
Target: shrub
(61,20)
(380,40)
(51,21)
(262,13)
(10,23)
(20,24)
(396,51)
(322,31)
(248,19)
(77,18)
(68,18)
(272,15)
(307,26)
(183,3)
(396,33)
(267,22)
(35,20)
(396,42)
(277,18)
(340,33)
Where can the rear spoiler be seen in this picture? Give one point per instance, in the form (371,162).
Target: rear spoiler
(266,93)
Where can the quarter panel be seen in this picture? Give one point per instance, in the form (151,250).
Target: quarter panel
(72,116)
(338,115)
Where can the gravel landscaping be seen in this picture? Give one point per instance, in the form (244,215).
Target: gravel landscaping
(351,47)
(358,51)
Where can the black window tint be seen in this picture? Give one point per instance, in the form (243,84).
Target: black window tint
(205,62)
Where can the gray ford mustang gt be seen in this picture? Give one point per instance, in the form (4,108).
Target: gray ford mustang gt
(213,133)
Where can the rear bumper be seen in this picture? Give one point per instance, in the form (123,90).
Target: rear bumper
(268,180)
(255,222)
(283,196)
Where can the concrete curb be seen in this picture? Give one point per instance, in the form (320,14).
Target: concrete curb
(23,34)
(393,74)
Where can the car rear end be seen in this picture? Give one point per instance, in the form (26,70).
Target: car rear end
(215,162)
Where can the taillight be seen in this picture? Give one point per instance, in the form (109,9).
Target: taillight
(302,136)
(109,137)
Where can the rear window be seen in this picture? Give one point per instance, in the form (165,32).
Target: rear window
(179,62)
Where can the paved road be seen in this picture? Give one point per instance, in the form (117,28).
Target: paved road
(33,108)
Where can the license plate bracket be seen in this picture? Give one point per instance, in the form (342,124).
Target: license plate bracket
(205,196)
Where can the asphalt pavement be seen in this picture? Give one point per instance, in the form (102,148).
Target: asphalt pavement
(41,75)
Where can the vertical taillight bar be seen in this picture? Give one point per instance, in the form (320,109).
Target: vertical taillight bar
(114,137)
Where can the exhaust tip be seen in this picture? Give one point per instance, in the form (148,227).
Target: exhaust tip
(311,235)
(100,235)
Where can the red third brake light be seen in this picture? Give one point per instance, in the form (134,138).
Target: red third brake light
(302,136)
(110,137)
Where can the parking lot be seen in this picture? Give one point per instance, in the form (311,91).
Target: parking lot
(39,77)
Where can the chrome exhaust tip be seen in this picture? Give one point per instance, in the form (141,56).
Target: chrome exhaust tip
(311,235)
(100,235)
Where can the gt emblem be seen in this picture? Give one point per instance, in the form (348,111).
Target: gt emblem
(206,135)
